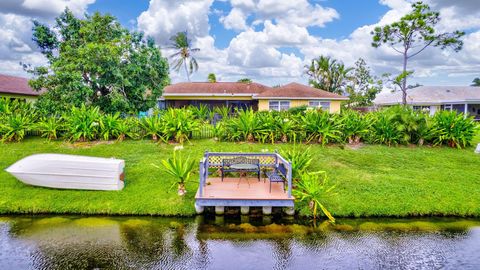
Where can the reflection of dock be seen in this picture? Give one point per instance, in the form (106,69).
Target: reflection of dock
(243,191)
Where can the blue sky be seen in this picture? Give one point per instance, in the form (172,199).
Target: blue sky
(269,41)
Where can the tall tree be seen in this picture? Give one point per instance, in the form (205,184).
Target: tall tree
(212,78)
(245,80)
(476,82)
(95,61)
(363,86)
(183,53)
(328,74)
(412,34)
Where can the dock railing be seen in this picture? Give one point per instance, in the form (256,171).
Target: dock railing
(267,161)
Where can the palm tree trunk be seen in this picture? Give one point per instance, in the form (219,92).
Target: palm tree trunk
(186,70)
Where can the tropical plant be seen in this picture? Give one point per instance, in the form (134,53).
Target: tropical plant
(453,129)
(321,126)
(212,78)
(183,53)
(245,80)
(50,127)
(312,189)
(242,127)
(178,124)
(385,129)
(300,160)
(415,31)
(328,74)
(109,126)
(200,112)
(223,111)
(152,126)
(180,168)
(355,125)
(15,126)
(476,82)
(83,123)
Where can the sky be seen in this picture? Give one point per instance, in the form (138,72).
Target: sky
(269,41)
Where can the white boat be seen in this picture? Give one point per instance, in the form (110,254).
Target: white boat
(70,172)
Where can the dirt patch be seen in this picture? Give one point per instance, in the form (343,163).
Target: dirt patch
(355,146)
(87,144)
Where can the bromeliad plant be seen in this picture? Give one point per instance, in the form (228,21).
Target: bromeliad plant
(14,127)
(312,189)
(180,168)
(152,126)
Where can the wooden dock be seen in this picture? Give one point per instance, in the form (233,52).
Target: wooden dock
(245,191)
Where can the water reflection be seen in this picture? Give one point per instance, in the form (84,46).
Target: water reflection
(239,243)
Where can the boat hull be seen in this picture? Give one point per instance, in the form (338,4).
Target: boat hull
(70,172)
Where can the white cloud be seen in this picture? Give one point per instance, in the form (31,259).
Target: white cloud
(235,20)
(16,29)
(163,19)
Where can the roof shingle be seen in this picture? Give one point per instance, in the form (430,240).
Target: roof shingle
(431,95)
(299,91)
(16,85)
(215,88)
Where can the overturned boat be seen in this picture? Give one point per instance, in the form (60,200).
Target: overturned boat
(70,172)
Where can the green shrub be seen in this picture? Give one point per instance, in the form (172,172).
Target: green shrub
(321,127)
(356,126)
(242,127)
(453,129)
(178,124)
(14,127)
(152,126)
(82,124)
(109,126)
(50,127)
(300,160)
(201,112)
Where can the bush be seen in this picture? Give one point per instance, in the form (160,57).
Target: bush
(50,127)
(321,127)
(82,124)
(453,129)
(178,124)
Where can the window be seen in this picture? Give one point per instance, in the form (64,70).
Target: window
(277,105)
(447,107)
(324,105)
(421,108)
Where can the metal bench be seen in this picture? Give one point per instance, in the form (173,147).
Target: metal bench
(279,174)
(228,165)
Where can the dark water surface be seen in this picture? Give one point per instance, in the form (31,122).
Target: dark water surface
(67,242)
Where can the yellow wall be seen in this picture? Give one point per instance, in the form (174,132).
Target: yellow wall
(334,104)
(25,97)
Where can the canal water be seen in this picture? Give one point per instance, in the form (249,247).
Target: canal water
(70,242)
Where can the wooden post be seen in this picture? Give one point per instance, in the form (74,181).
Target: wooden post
(289,178)
(202,180)
(206,166)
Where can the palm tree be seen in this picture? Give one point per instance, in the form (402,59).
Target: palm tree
(328,74)
(182,44)
(212,78)
(476,82)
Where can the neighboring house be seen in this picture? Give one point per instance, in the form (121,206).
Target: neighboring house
(464,99)
(17,87)
(249,95)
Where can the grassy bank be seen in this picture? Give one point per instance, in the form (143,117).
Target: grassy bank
(371,180)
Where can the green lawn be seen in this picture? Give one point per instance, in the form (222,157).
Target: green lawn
(371,181)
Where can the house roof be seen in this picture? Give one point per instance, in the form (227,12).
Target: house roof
(298,91)
(214,89)
(432,95)
(255,90)
(16,85)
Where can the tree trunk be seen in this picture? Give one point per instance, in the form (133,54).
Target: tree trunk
(186,70)
(404,81)
(181,189)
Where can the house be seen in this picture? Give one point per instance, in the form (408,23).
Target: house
(464,99)
(18,88)
(249,95)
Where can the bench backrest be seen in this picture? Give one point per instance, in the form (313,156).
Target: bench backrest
(282,169)
(240,160)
